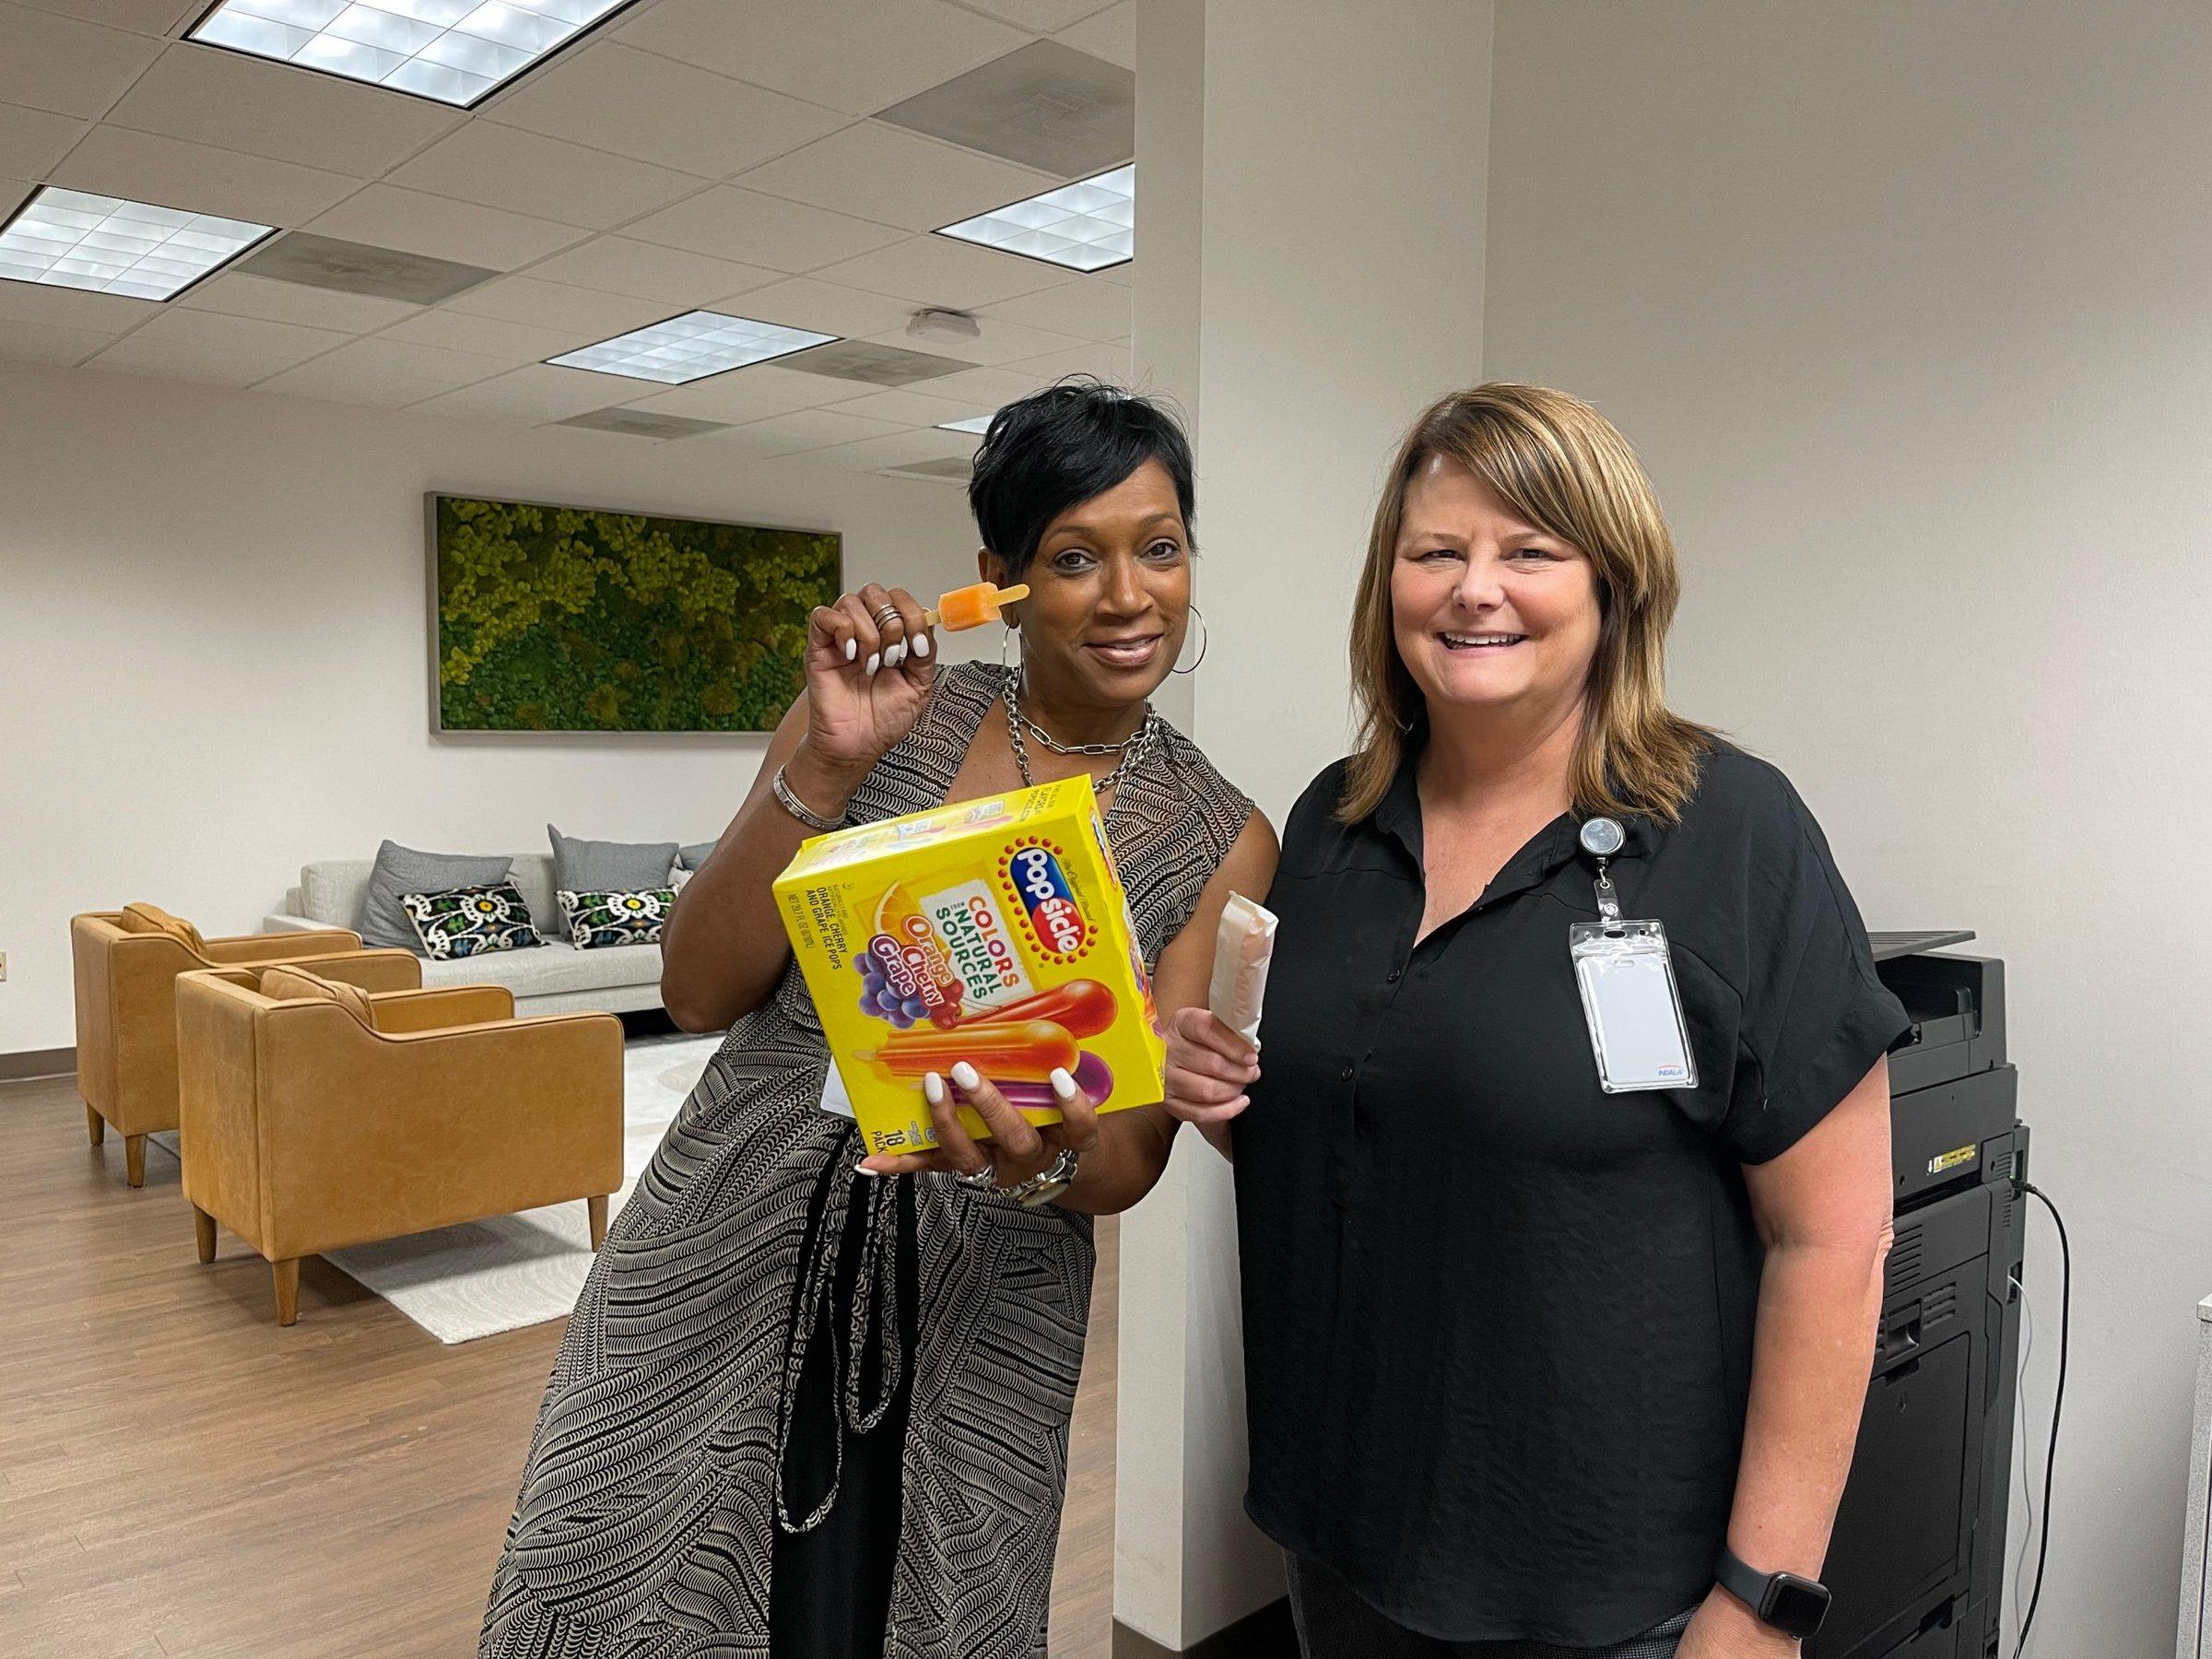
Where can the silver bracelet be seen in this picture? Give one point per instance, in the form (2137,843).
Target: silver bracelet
(787,799)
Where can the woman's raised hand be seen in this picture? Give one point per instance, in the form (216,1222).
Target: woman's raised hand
(1209,1069)
(869,665)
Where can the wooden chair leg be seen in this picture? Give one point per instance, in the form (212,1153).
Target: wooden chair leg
(95,1124)
(287,1290)
(134,1160)
(597,1208)
(203,1229)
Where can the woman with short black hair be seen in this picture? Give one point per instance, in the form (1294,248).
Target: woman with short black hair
(812,1403)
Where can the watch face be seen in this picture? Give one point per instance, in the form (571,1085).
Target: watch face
(1794,1604)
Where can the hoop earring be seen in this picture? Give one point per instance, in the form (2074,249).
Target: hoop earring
(1206,638)
(1009,633)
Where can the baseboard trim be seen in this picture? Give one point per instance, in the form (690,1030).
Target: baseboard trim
(1265,1634)
(37,1063)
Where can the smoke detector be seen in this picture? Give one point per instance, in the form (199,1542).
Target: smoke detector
(950,327)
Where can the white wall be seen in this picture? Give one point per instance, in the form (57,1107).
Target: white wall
(1313,227)
(1905,306)
(213,661)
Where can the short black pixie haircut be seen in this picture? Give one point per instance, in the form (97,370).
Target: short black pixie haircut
(1063,445)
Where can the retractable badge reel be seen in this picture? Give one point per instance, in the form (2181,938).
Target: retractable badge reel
(1625,975)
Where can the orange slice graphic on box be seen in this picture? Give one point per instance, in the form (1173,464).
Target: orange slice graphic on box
(899,919)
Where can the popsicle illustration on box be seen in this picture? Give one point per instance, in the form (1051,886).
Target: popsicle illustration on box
(994,931)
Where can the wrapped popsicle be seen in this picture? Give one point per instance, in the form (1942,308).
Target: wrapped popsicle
(1244,946)
(994,931)
(973,607)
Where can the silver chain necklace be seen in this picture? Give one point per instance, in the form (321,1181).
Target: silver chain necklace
(1131,748)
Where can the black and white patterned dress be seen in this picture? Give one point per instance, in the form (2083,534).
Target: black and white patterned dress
(647,1521)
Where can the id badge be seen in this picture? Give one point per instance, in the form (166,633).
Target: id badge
(1627,979)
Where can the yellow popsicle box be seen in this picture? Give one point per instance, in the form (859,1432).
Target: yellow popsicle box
(994,931)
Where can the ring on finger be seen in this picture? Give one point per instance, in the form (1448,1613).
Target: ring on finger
(884,614)
(984,1180)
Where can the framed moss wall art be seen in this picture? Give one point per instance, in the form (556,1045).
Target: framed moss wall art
(549,618)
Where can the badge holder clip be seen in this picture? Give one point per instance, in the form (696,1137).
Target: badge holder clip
(1625,975)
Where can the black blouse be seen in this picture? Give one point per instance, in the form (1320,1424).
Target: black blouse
(1497,1322)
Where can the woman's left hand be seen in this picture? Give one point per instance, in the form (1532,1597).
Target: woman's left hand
(1723,1627)
(1017,1148)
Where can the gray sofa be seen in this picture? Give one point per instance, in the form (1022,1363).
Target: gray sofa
(554,978)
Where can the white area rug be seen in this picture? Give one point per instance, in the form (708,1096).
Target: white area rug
(482,1276)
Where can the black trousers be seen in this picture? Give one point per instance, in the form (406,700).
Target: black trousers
(1334,1622)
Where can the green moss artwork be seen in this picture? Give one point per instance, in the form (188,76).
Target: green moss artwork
(564,619)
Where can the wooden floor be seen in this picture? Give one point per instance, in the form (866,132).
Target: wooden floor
(179,1477)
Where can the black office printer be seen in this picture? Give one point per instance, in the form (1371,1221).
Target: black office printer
(1917,1561)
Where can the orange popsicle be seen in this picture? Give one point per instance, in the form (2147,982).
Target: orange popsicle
(973,607)
(1022,1050)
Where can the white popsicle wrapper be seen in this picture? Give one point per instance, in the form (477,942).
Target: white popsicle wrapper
(1243,946)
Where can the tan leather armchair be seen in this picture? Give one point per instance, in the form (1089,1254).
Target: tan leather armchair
(317,1115)
(127,965)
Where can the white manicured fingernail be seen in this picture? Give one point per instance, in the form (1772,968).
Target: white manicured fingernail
(893,655)
(851,649)
(921,645)
(864,1169)
(875,661)
(965,1074)
(1063,1085)
(933,1089)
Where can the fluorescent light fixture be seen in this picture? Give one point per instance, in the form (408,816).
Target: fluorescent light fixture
(690,348)
(1086,226)
(452,51)
(74,238)
(974,423)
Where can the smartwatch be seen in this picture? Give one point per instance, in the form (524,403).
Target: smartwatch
(1792,1604)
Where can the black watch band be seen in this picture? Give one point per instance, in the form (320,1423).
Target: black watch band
(1792,1604)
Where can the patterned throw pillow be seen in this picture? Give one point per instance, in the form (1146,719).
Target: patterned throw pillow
(596,920)
(465,921)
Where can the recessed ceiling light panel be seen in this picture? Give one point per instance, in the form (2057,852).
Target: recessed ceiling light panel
(690,348)
(1086,226)
(454,52)
(74,238)
(974,423)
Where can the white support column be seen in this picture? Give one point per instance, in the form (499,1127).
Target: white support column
(1312,188)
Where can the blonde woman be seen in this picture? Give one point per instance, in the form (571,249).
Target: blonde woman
(1535,1368)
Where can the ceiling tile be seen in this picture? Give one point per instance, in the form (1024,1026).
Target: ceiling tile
(387,217)
(241,294)
(616,265)
(1047,107)
(824,308)
(898,449)
(655,108)
(31,141)
(743,394)
(141,16)
(1042,17)
(804,429)
(1110,34)
(208,345)
(536,394)
(528,172)
(877,172)
(935,270)
(573,311)
(999,343)
(40,343)
(1121,275)
(1108,362)
(493,336)
(267,109)
(1085,307)
(73,308)
(260,107)
(170,173)
(58,64)
(915,408)
(761,230)
(987,389)
(856,55)
(383,372)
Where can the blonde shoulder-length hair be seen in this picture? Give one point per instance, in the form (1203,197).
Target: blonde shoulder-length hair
(1565,469)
